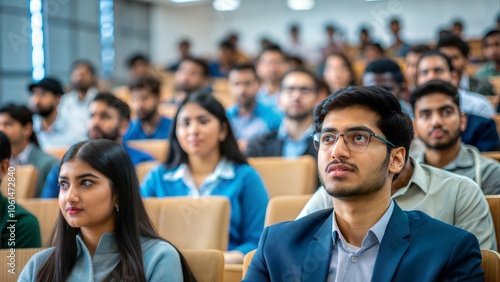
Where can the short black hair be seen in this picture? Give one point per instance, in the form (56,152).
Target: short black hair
(185,42)
(114,102)
(489,34)
(294,28)
(419,49)
(458,22)
(385,65)
(197,61)
(437,53)
(376,46)
(5,149)
(454,41)
(305,71)
(136,58)
(394,124)
(272,48)
(226,44)
(86,63)
(246,67)
(147,82)
(432,87)
(21,114)
(395,21)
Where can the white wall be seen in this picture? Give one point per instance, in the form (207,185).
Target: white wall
(205,27)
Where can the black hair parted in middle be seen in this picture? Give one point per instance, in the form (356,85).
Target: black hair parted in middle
(228,148)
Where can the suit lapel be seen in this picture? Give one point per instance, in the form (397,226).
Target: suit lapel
(319,252)
(393,246)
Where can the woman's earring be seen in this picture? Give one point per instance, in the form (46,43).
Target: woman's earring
(117,208)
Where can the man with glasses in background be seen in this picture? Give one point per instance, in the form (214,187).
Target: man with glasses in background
(363,138)
(297,98)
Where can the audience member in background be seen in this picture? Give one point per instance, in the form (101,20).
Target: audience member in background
(458,51)
(480,130)
(249,118)
(17,123)
(438,123)
(387,74)
(373,51)
(364,38)
(109,119)
(149,124)
(411,59)
(363,137)
(399,47)
(204,160)
(226,59)
(103,232)
(184,48)
(14,219)
(74,105)
(296,46)
(294,62)
(498,22)
(491,49)
(298,97)
(51,129)
(338,72)
(240,57)
(271,65)
(332,44)
(138,65)
(191,76)
(265,43)
(436,65)
(457,28)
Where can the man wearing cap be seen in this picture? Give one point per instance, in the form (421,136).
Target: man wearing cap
(52,130)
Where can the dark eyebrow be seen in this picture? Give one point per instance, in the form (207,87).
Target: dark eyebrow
(445,107)
(354,128)
(81,176)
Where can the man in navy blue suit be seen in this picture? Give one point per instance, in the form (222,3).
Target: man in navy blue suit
(363,138)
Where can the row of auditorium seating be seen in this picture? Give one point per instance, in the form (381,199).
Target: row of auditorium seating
(180,220)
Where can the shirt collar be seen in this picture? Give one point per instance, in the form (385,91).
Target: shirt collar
(107,244)
(418,177)
(224,170)
(378,229)
(283,133)
(22,157)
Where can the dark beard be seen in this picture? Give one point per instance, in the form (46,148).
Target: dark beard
(444,146)
(147,117)
(298,117)
(46,112)
(113,135)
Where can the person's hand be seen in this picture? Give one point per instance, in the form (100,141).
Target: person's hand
(233,257)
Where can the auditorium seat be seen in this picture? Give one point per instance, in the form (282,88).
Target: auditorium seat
(143,168)
(284,208)
(494,204)
(192,223)
(24,184)
(157,148)
(286,176)
(491,265)
(206,265)
(22,256)
(246,262)
(46,211)
(57,152)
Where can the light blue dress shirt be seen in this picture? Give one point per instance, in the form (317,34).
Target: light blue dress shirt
(262,120)
(240,183)
(350,263)
(294,148)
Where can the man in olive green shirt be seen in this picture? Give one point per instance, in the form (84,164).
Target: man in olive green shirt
(491,49)
(446,196)
(18,227)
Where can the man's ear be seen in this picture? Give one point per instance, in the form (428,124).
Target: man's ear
(463,122)
(397,160)
(124,124)
(4,167)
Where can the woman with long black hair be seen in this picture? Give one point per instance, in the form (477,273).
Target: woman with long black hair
(103,232)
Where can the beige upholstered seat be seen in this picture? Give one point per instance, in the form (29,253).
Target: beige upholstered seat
(206,265)
(491,265)
(246,261)
(46,211)
(22,256)
(284,208)
(157,148)
(285,176)
(144,167)
(24,184)
(193,223)
(494,204)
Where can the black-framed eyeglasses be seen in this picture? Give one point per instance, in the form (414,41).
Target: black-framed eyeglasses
(356,140)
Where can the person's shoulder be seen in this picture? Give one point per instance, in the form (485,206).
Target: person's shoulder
(266,137)
(308,223)
(156,245)
(35,264)
(422,224)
